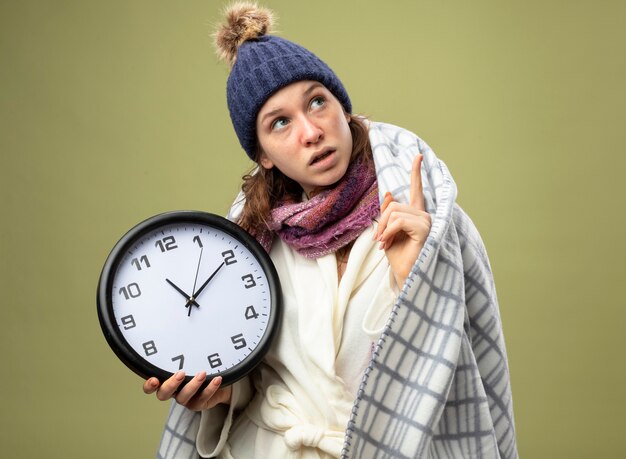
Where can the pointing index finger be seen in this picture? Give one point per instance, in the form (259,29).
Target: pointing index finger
(416,198)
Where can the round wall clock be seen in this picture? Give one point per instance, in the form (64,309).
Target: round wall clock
(189,291)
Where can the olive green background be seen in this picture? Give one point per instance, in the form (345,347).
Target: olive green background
(113,111)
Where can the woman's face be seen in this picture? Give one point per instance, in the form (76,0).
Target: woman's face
(303,131)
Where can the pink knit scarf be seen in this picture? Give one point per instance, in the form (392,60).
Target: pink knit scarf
(331,219)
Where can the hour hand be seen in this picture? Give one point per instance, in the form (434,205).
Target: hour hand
(190,300)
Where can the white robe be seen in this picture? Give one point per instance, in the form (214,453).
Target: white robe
(305,389)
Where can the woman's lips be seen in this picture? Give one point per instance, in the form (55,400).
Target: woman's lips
(322,156)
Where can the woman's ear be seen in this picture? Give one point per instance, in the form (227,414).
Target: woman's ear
(265,161)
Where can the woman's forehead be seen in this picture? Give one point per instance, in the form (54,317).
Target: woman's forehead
(296,90)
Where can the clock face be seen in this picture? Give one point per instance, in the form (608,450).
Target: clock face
(192,294)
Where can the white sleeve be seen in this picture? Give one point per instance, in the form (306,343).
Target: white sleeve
(377,313)
(215,423)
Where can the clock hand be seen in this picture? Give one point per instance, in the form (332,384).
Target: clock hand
(195,295)
(182,292)
(189,303)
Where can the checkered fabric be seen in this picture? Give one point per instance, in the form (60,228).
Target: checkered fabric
(179,435)
(438,383)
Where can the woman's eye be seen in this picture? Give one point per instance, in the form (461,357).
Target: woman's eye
(318,102)
(279,123)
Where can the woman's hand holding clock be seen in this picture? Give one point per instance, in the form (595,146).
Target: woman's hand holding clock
(189,396)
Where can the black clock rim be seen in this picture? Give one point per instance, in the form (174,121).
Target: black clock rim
(108,324)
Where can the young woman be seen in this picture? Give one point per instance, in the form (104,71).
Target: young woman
(391,342)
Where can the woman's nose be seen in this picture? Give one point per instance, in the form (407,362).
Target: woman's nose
(311,133)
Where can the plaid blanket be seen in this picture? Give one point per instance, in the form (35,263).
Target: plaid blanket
(438,383)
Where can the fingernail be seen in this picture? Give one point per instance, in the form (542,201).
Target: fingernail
(179,375)
(217,380)
(201,376)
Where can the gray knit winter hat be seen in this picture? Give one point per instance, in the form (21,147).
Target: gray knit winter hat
(262,64)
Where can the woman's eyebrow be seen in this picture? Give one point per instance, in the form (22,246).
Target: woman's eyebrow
(270,114)
(311,88)
(307,92)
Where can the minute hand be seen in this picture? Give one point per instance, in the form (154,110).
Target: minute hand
(206,282)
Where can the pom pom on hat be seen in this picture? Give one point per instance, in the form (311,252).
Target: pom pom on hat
(262,64)
(244,21)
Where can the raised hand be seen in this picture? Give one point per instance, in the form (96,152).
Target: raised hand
(403,228)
